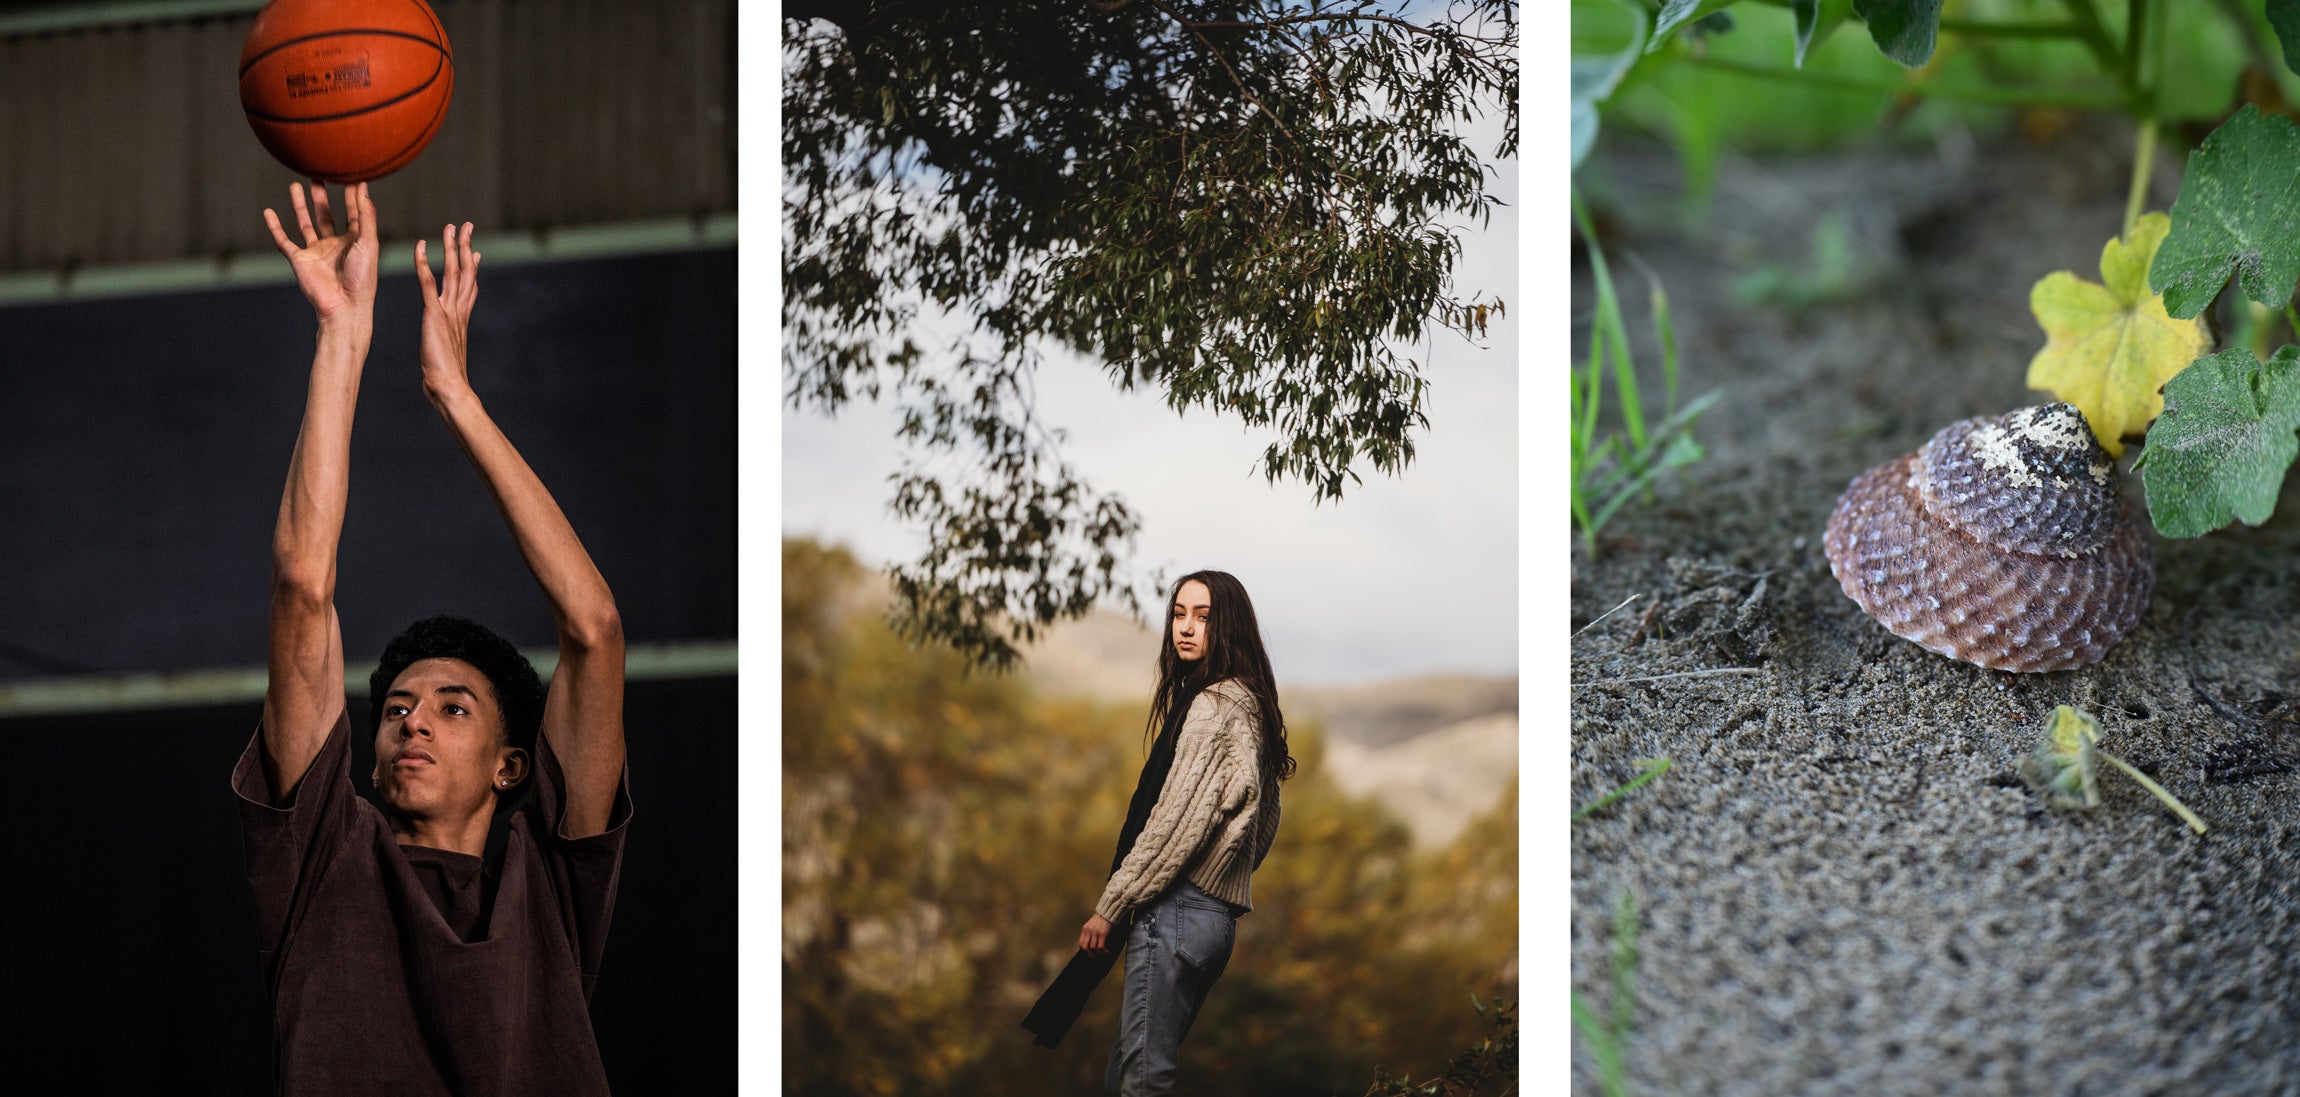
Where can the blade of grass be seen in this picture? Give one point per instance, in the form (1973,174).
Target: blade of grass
(1602,1047)
(1609,317)
(1667,333)
(1672,447)
(1593,381)
(1651,767)
(1624,984)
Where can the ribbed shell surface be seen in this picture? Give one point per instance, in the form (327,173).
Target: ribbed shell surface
(1944,589)
(2031,480)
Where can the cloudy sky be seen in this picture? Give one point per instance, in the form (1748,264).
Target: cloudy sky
(1408,575)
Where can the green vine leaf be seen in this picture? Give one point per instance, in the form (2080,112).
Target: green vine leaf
(2220,450)
(2109,346)
(1903,29)
(1817,20)
(1677,13)
(2284,17)
(1594,80)
(2238,213)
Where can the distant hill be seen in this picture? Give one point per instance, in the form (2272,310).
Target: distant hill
(1392,711)
(1437,781)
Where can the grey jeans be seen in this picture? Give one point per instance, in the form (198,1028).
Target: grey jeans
(1178,946)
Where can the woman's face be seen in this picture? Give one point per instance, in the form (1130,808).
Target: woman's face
(1191,605)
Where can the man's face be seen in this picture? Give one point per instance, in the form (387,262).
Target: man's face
(439,749)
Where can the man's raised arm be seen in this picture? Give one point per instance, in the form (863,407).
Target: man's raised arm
(583,714)
(337,273)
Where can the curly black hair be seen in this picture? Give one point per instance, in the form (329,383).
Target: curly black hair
(518,689)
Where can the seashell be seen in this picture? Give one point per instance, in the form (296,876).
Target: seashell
(2004,542)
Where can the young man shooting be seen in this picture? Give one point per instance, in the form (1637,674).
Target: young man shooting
(401,960)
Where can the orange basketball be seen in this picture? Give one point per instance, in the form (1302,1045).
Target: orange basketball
(346,90)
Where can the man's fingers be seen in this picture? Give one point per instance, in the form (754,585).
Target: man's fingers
(321,214)
(448,256)
(423,275)
(367,213)
(302,214)
(279,235)
(470,263)
(463,248)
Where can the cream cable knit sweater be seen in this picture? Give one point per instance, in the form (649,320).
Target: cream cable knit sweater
(1216,816)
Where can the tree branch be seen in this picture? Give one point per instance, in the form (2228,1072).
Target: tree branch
(1163,6)
(1323,17)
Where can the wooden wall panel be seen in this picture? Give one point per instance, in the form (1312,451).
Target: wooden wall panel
(125,144)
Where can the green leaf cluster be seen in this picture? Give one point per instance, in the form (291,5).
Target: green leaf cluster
(2220,451)
(1250,206)
(2238,215)
(945,835)
(1609,469)
(2064,766)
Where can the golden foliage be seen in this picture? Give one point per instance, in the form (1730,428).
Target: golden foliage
(945,833)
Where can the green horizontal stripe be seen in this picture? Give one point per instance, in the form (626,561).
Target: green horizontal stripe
(267,268)
(85,16)
(129,692)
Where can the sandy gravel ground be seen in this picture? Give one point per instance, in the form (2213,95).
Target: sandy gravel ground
(1843,887)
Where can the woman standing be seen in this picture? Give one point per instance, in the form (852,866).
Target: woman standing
(1203,816)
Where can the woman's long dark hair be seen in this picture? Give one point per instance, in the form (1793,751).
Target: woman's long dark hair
(1233,650)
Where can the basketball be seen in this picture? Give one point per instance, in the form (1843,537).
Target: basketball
(346,90)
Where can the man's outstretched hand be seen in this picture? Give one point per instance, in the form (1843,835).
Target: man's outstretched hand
(447,312)
(335,270)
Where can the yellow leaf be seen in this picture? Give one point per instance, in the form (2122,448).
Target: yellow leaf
(2109,348)
(2070,730)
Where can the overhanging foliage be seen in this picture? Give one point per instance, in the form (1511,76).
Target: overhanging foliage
(1243,205)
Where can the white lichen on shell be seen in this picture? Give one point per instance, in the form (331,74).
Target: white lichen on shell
(2004,542)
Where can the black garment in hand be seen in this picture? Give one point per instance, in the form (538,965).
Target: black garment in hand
(1065,999)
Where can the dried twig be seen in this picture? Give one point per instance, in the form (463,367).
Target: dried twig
(1608,613)
(1718,672)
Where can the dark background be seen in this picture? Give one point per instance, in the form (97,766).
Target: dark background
(144,442)
(143,445)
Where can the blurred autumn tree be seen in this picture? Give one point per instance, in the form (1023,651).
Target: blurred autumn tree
(945,833)
(1249,204)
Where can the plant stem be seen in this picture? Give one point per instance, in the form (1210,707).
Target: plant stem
(2135,34)
(2290,317)
(2007,97)
(2095,38)
(2169,800)
(1976,29)
(2143,164)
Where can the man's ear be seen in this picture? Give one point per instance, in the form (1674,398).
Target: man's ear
(511,769)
